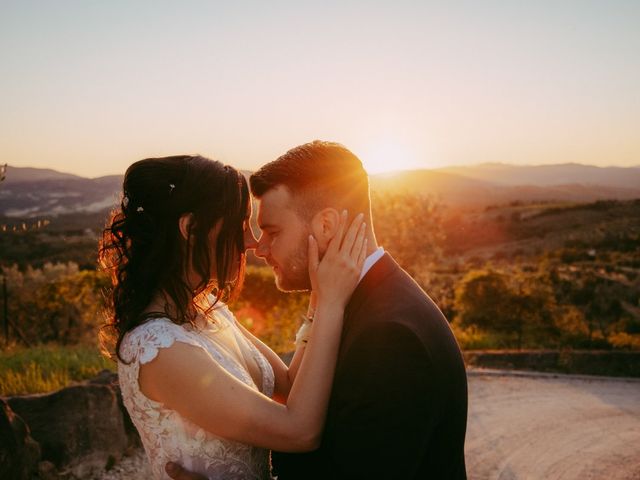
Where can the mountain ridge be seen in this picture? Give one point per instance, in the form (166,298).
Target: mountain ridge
(550,175)
(32,192)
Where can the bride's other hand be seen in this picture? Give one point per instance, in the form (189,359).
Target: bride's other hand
(334,278)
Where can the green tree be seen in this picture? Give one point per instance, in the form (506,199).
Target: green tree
(598,299)
(515,306)
(479,300)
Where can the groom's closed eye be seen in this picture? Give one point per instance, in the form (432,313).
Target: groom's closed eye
(266,226)
(269,230)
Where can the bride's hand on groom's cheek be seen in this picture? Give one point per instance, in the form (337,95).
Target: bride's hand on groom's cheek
(176,472)
(335,276)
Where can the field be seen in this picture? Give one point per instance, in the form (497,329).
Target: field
(47,367)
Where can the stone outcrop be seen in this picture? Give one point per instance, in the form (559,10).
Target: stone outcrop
(19,452)
(79,428)
(107,377)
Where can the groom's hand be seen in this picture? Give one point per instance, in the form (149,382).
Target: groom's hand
(176,472)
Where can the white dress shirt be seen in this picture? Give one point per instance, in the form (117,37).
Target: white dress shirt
(370,261)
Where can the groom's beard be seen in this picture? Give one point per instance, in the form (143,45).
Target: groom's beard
(293,274)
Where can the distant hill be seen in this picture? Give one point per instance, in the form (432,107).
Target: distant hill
(447,186)
(34,192)
(496,183)
(530,228)
(27,174)
(550,175)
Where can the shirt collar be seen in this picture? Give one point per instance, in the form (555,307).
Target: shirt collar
(370,261)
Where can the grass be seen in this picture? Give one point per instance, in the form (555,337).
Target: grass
(472,338)
(48,367)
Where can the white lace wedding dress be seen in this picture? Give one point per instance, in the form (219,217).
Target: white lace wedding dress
(166,435)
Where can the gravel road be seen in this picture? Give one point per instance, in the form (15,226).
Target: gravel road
(532,426)
(552,427)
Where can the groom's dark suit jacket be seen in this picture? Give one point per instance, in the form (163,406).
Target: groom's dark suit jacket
(398,407)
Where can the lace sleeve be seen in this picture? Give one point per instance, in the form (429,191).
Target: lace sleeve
(143,343)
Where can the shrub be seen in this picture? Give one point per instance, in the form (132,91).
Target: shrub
(57,303)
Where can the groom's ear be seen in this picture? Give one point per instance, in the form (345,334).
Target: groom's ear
(324,226)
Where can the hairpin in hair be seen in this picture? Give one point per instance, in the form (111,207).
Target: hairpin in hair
(140,209)
(171,188)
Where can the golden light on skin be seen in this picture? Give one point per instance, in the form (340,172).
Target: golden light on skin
(386,156)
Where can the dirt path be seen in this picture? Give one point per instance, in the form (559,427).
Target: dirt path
(541,427)
(533,427)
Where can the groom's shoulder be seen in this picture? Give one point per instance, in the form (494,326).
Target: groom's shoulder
(387,278)
(399,300)
(399,295)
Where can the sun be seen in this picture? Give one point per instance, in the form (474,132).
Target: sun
(386,156)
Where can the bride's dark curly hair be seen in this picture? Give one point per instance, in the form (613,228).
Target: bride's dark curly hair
(145,253)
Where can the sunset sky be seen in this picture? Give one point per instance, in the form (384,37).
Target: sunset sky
(88,86)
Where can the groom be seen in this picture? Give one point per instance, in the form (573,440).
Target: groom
(398,406)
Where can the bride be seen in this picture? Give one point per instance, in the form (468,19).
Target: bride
(201,390)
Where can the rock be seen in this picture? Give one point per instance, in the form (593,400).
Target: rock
(105,377)
(79,428)
(19,452)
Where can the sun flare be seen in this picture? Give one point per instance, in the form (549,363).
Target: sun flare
(389,156)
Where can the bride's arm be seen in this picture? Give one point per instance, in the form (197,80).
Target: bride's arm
(186,379)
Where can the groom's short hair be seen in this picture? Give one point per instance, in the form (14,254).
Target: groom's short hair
(318,175)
